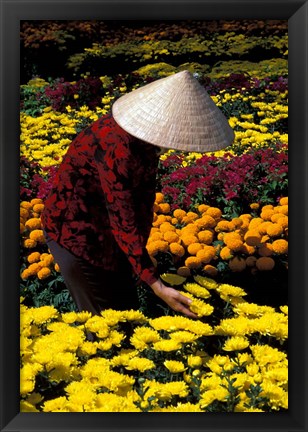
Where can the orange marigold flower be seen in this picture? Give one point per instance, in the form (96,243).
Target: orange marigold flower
(176,249)
(34,257)
(233,240)
(276,217)
(166,226)
(159,197)
(268,207)
(265,263)
(207,254)
(154,230)
(263,227)
(283,209)
(255,222)
(226,253)
(265,238)
(38,208)
(36,201)
(251,261)
(37,235)
(157,246)
(192,262)
(252,237)
(155,236)
(237,264)
(34,268)
(57,267)
(254,206)
(265,250)
(193,248)
(215,212)
(206,221)
(183,271)
(247,249)
(267,214)
(222,225)
(164,208)
(210,270)
(26,205)
(203,208)
(25,274)
(188,239)
(174,221)
(274,230)
(155,207)
(205,236)
(220,236)
(33,224)
(160,219)
(238,222)
(179,214)
(21,228)
(23,213)
(29,243)
(245,216)
(283,201)
(190,217)
(191,228)
(280,246)
(44,273)
(44,255)
(47,261)
(283,221)
(171,237)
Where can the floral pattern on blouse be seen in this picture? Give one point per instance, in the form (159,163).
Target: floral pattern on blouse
(100,207)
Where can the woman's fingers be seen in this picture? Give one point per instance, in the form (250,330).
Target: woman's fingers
(174,299)
(182,305)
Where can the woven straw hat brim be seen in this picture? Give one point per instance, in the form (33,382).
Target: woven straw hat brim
(174,113)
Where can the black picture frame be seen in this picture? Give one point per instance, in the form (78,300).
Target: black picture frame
(12,12)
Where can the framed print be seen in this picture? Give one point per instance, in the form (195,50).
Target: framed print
(220,230)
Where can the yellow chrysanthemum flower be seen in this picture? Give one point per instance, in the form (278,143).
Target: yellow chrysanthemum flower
(173,279)
(140,364)
(167,345)
(197,290)
(236,343)
(174,366)
(183,336)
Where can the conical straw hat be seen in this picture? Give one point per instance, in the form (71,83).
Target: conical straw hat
(174,112)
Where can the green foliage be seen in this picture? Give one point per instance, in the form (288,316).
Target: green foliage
(50,291)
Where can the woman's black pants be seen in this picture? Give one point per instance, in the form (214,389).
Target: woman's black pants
(93,288)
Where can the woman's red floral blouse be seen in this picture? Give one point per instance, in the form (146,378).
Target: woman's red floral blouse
(101,203)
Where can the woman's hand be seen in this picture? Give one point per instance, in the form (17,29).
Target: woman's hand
(173,298)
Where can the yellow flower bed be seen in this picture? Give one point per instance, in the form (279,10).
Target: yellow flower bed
(45,139)
(163,365)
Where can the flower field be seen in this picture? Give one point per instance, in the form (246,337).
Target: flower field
(219,233)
